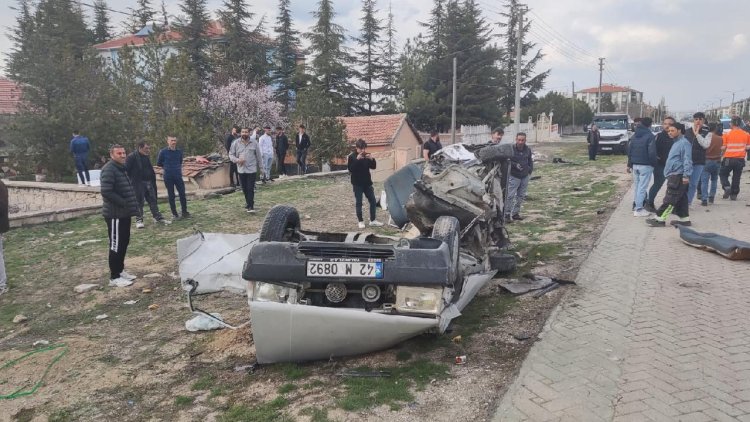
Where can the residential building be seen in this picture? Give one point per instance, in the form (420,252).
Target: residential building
(625,99)
(10,100)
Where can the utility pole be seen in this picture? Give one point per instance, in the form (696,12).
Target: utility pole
(453,107)
(573,104)
(601,69)
(519,51)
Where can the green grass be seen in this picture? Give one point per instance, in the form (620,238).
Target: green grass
(266,412)
(291,371)
(181,401)
(62,415)
(363,392)
(403,355)
(287,388)
(205,382)
(316,414)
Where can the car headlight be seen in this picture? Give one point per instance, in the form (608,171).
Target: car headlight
(419,300)
(266,292)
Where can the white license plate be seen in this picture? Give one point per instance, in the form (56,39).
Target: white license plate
(343,267)
(606,148)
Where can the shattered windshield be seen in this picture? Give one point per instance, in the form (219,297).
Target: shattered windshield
(609,124)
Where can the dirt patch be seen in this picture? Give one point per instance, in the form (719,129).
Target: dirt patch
(141,364)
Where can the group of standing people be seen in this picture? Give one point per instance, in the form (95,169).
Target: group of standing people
(689,160)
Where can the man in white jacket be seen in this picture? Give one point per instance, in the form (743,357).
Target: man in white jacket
(266,153)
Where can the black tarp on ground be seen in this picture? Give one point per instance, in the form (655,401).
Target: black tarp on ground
(725,246)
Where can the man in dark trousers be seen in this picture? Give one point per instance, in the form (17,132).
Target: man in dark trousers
(79,147)
(4,227)
(246,153)
(593,139)
(521,166)
(359,164)
(663,144)
(141,172)
(170,160)
(119,207)
(282,146)
(234,178)
(302,142)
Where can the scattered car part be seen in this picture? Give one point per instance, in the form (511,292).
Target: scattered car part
(725,246)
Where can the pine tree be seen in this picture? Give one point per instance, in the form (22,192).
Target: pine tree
(141,16)
(192,28)
(389,72)
(101,22)
(368,57)
(332,63)
(164,16)
(530,84)
(234,63)
(435,29)
(285,56)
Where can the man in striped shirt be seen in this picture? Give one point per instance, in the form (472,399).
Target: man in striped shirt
(736,145)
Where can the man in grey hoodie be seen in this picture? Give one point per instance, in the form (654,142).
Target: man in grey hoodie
(245,152)
(678,170)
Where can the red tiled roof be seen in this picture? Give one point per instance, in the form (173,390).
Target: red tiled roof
(375,130)
(609,88)
(214,30)
(192,168)
(10,96)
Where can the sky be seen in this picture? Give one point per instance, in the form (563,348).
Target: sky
(692,53)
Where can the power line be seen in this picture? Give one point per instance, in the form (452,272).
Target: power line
(106,8)
(566,53)
(566,40)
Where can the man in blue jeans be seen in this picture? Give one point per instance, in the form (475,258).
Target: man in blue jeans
(170,160)
(641,162)
(713,163)
(663,145)
(79,147)
(699,139)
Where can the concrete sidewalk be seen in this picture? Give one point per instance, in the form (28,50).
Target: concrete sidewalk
(655,330)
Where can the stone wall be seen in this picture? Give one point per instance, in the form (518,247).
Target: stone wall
(25,197)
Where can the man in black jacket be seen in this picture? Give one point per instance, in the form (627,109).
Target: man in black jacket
(119,207)
(359,164)
(302,142)
(282,146)
(143,178)
(234,177)
(700,138)
(521,166)
(593,138)
(663,144)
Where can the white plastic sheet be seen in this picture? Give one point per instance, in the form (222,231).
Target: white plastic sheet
(214,260)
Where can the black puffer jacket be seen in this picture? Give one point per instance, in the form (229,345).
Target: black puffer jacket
(117,191)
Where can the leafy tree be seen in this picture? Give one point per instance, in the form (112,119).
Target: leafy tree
(65,87)
(192,27)
(368,57)
(332,63)
(241,104)
(531,83)
(562,106)
(285,56)
(235,61)
(390,70)
(319,115)
(102,28)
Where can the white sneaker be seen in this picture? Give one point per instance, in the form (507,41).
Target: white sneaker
(120,282)
(641,213)
(376,223)
(127,276)
(361,224)
(139,225)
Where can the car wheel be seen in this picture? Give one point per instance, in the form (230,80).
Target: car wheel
(502,262)
(447,229)
(280,225)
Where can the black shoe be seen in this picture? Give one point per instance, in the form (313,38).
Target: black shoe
(517,217)
(704,203)
(733,197)
(508,219)
(650,208)
(175,217)
(680,223)
(710,199)
(726,194)
(653,222)
(186,215)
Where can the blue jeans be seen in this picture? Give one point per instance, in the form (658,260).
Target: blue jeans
(516,195)
(695,178)
(710,171)
(641,179)
(267,161)
(171,182)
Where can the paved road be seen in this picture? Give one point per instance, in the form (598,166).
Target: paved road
(656,330)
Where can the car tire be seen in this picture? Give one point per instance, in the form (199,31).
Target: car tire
(280,225)
(448,230)
(502,262)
